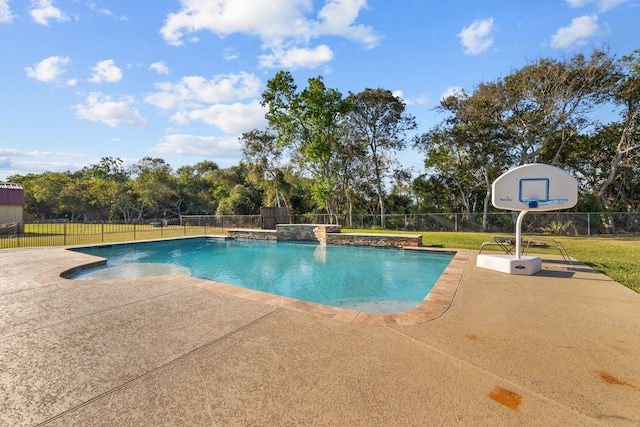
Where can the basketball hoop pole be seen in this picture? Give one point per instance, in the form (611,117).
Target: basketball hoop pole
(519,233)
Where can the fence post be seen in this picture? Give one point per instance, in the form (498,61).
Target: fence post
(588,223)
(64,234)
(102,232)
(455,227)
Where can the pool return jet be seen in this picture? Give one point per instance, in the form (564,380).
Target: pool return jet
(534,187)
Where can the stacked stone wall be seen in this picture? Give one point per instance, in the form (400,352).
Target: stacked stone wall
(378,240)
(306,232)
(329,234)
(253,234)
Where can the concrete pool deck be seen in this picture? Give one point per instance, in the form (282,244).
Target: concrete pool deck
(561,347)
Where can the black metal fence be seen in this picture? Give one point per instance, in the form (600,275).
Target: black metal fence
(221,221)
(68,233)
(555,223)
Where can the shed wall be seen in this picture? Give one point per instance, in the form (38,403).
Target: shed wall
(10,213)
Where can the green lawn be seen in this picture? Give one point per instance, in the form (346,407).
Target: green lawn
(617,257)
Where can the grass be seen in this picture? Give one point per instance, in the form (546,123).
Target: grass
(616,257)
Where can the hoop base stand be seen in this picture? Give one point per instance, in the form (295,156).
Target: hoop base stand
(525,265)
(518,264)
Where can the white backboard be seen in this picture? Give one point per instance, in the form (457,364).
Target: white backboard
(535,187)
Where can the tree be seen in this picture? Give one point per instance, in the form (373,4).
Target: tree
(76,199)
(627,96)
(531,115)
(42,193)
(609,178)
(553,99)
(307,123)
(353,175)
(453,162)
(110,189)
(154,186)
(377,120)
(108,168)
(263,157)
(433,194)
(469,149)
(194,186)
(241,201)
(99,184)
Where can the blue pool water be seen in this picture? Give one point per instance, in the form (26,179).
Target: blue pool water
(366,279)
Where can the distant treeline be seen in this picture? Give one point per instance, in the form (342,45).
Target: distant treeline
(324,152)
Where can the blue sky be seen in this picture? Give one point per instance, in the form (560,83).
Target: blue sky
(181,79)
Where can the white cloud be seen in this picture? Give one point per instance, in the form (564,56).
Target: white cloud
(193,91)
(205,146)
(476,38)
(297,57)
(603,5)
(10,167)
(160,67)
(37,153)
(230,54)
(106,71)
(419,100)
(49,69)
(451,91)
(280,24)
(580,29)
(230,118)
(5,11)
(268,20)
(101,108)
(423,100)
(43,10)
(103,10)
(5,164)
(337,18)
(21,162)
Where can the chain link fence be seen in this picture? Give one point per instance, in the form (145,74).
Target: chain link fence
(556,223)
(559,223)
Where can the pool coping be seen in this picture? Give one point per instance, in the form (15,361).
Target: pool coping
(434,305)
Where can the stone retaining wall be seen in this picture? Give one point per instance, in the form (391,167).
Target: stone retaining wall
(329,234)
(306,232)
(379,240)
(253,234)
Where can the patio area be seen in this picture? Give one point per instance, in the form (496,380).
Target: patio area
(561,347)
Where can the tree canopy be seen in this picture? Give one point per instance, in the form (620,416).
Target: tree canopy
(323,152)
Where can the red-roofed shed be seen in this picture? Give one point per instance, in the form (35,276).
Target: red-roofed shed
(11,203)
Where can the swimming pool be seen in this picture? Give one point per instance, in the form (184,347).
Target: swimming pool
(374,280)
